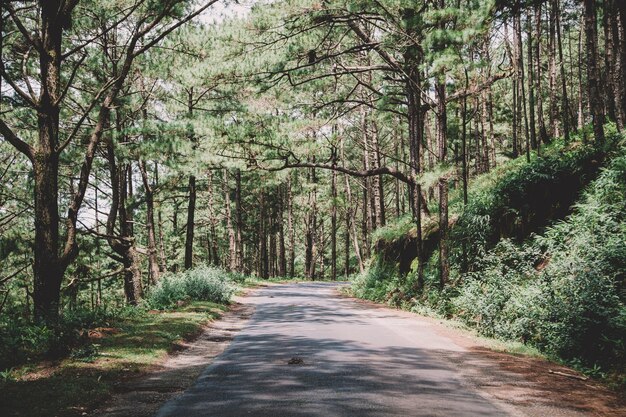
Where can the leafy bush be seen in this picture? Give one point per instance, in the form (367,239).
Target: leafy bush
(526,198)
(203,283)
(381,282)
(496,299)
(575,306)
(22,341)
(563,291)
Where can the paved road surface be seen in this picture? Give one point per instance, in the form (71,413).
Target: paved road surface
(356,361)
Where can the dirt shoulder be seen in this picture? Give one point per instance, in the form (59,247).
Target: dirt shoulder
(523,385)
(143,395)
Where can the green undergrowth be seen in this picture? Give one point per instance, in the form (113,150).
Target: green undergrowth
(70,370)
(124,348)
(557,285)
(203,283)
(253,281)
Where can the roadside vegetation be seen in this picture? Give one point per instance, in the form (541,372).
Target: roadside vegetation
(71,371)
(548,272)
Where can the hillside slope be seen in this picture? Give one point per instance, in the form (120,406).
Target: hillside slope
(538,255)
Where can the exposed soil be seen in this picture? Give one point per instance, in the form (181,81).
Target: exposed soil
(521,385)
(525,385)
(142,395)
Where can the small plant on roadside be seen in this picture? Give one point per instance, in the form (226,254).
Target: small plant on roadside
(203,283)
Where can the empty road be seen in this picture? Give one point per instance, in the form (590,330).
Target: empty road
(308,352)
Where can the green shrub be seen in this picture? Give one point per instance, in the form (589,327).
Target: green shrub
(524,199)
(203,283)
(22,341)
(563,291)
(575,306)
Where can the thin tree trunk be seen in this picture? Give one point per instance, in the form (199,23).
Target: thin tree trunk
(282,256)
(531,83)
(290,226)
(333,226)
(595,99)
(581,116)
(444,264)
(543,134)
(350,213)
(621,7)
(239,217)
(564,99)
(232,242)
(554,129)
(520,67)
(153,262)
(191,211)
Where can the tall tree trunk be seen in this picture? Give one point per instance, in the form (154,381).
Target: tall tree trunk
(162,261)
(239,217)
(346,247)
(123,244)
(416,129)
(522,83)
(263,230)
(564,99)
(47,268)
(618,79)
(607,75)
(464,173)
(153,262)
(333,226)
(515,85)
(621,7)
(443,232)
(531,83)
(351,217)
(311,224)
(292,232)
(282,255)
(581,115)
(595,99)
(442,120)
(554,129)
(543,133)
(272,245)
(232,242)
(380,191)
(191,211)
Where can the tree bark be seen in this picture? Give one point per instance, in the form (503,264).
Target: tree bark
(444,264)
(595,99)
(153,262)
(531,84)
(239,220)
(333,226)
(552,89)
(543,133)
(191,212)
(232,241)
(565,114)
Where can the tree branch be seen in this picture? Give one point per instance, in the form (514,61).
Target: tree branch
(17,143)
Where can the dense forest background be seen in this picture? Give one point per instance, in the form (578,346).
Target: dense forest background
(456,157)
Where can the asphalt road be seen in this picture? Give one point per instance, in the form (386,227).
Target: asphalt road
(308,352)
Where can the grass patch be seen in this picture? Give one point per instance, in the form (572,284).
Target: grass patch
(129,346)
